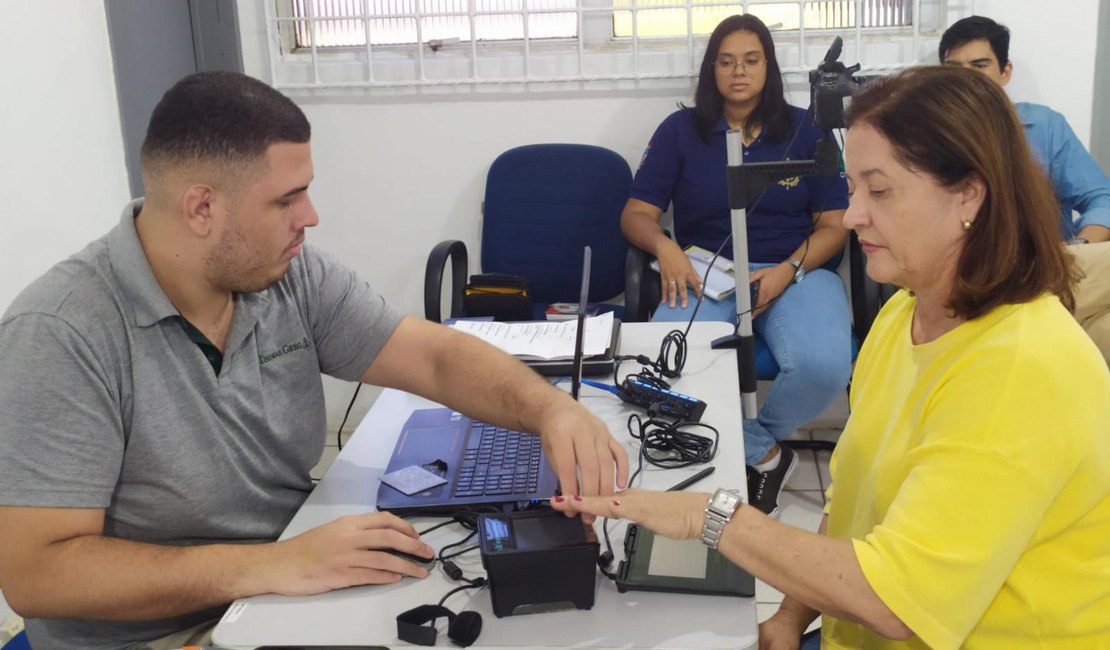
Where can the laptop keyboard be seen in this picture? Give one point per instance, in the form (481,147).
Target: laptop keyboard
(499,461)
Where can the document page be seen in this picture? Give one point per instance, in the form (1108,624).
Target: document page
(542,339)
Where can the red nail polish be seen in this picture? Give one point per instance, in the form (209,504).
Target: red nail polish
(577,497)
(558,499)
(616,503)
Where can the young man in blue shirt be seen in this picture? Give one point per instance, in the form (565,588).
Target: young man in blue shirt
(983,45)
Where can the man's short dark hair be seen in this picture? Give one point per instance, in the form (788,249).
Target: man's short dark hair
(974,28)
(221,117)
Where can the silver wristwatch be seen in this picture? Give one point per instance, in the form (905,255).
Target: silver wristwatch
(722,505)
(799,270)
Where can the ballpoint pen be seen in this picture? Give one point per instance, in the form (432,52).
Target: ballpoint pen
(687,482)
(681,485)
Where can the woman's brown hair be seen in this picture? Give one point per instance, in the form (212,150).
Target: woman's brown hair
(954,124)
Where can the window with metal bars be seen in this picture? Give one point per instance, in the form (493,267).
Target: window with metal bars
(661,18)
(412,43)
(350,23)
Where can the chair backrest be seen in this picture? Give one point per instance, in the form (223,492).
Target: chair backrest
(543,203)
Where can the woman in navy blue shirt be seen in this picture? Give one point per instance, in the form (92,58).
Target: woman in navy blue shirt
(795,235)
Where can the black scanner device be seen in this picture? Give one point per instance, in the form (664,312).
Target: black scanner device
(538,561)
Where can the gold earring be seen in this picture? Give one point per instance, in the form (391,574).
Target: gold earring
(967,225)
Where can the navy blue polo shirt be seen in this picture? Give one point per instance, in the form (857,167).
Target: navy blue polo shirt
(679,168)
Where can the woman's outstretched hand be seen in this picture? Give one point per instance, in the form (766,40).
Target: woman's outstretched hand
(678,515)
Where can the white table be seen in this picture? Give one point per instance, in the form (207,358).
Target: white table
(366,615)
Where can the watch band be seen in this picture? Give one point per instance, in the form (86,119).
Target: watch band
(799,270)
(718,512)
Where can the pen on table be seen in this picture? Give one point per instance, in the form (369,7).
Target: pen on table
(685,483)
(681,485)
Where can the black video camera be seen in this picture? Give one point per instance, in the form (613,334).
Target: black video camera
(830,88)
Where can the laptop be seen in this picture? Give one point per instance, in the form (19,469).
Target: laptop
(485,467)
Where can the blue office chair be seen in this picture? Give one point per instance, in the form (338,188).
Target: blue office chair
(543,203)
(867,296)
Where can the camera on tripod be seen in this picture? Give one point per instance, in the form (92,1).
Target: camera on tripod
(830,88)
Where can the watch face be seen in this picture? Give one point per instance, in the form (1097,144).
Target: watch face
(725,502)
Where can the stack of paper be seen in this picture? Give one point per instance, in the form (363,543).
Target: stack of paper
(542,339)
(720,283)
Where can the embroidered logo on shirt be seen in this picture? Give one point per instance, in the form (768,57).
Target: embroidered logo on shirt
(643,158)
(303,344)
(789,183)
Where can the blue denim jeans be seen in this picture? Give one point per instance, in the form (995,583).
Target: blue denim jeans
(811,641)
(808,331)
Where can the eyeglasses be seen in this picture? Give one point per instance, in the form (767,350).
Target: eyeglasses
(748,63)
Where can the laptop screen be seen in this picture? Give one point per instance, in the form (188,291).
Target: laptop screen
(580,336)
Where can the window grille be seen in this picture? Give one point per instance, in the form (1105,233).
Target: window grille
(344,23)
(668,18)
(412,43)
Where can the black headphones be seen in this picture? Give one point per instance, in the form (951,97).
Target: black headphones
(462,628)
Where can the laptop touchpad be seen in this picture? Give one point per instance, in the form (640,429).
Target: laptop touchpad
(421,446)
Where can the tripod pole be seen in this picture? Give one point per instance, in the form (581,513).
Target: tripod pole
(744,340)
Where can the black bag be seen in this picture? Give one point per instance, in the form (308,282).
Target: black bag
(500,295)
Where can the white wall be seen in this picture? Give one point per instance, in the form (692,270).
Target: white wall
(1052,46)
(62,172)
(63,175)
(1100,127)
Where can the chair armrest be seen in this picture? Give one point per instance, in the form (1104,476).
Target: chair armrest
(454,250)
(635,267)
(641,286)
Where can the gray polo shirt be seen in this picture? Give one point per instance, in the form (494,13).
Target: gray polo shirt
(105,402)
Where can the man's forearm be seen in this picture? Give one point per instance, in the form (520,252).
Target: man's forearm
(1094,233)
(113,579)
(513,388)
(504,385)
(463,372)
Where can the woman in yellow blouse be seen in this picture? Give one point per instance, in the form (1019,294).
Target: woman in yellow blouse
(970,498)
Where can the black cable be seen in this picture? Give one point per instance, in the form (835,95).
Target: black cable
(669,363)
(679,448)
(339,433)
(665,443)
(443,557)
(605,560)
(438,526)
(477,583)
(464,551)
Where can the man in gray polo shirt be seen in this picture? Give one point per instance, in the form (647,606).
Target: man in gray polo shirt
(161,403)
